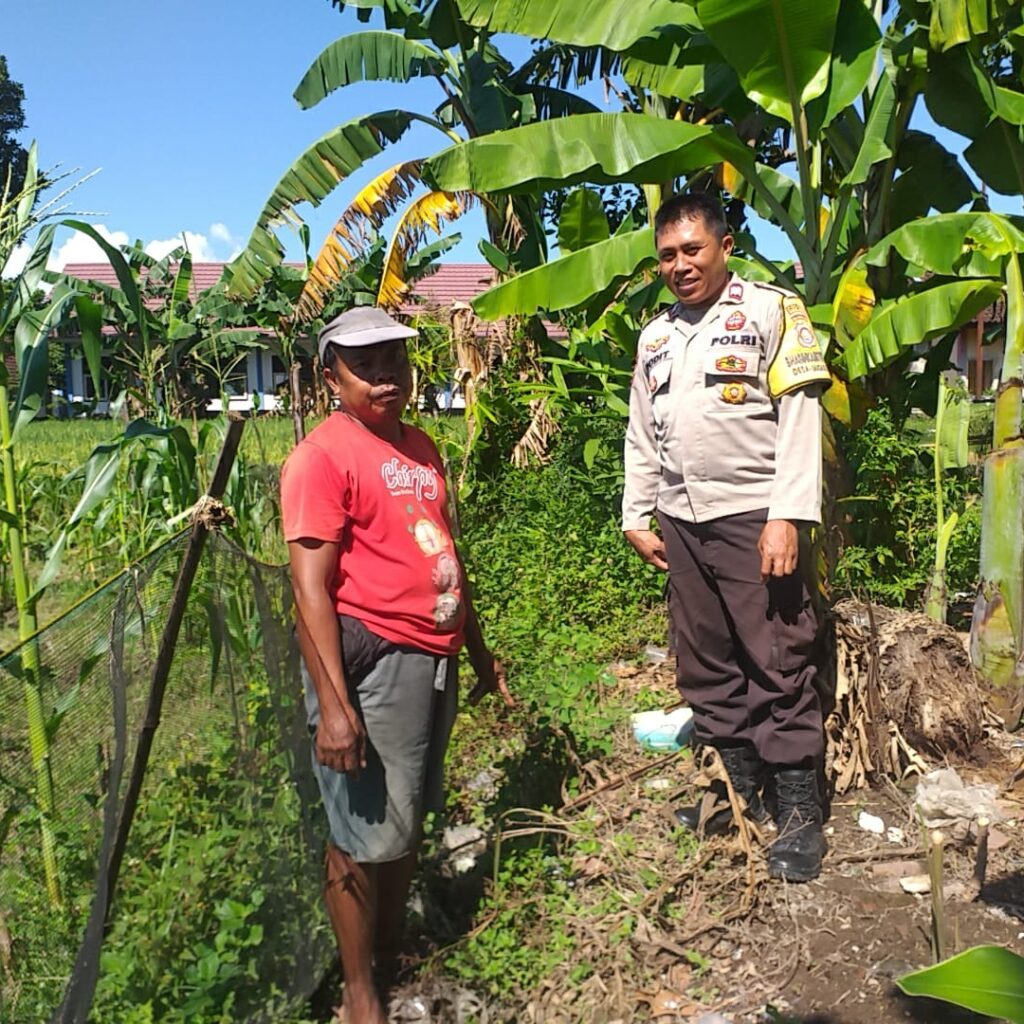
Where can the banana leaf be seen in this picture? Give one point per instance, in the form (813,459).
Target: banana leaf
(854,53)
(582,222)
(597,148)
(670,63)
(614,24)
(874,145)
(985,979)
(931,178)
(570,281)
(310,179)
(919,316)
(954,22)
(781,49)
(953,244)
(371,56)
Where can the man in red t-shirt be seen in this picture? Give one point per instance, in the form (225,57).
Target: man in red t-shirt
(382,612)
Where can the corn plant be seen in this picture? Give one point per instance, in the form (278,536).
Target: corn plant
(28,320)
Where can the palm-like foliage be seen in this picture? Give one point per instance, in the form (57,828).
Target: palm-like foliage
(801,110)
(479,92)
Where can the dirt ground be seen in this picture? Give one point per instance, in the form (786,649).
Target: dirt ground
(714,935)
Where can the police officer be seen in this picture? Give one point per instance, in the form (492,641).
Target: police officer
(724,448)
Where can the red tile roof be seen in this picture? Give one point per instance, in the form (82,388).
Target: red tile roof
(204,275)
(450,283)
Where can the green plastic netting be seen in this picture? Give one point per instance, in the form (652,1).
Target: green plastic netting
(217,910)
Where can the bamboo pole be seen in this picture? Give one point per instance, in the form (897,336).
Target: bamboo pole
(39,744)
(981,859)
(295,387)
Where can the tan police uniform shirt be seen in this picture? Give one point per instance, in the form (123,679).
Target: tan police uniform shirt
(724,413)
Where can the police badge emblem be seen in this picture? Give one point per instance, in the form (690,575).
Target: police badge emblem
(736,291)
(734,394)
(735,321)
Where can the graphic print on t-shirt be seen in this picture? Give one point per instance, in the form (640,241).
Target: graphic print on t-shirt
(402,479)
(383,504)
(428,536)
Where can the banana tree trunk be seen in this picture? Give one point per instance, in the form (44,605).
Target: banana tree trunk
(997,627)
(39,745)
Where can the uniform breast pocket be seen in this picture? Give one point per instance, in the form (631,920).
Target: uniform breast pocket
(731,380)
(657,372)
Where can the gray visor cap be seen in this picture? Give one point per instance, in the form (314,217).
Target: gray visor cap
(363,325)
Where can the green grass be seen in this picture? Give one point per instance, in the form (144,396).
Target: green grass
(560,594)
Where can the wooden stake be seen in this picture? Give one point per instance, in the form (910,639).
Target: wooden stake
(981,859)
(938,908)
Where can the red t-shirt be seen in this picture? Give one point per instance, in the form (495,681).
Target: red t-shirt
(385,505)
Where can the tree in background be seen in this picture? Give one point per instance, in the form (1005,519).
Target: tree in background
(478,92)
(802,112)
(13,156)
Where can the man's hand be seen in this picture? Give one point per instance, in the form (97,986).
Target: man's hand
(341,741)
(778,548)
(650,547)
(491,676)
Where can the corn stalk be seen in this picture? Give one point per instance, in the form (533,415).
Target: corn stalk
(29,328)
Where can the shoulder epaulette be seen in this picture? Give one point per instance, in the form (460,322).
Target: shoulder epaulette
(771,286)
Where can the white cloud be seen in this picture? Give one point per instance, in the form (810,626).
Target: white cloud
(198,245)
(222,233)
(81,248)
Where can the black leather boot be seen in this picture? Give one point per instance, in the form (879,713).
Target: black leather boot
(746,771)
(796,854)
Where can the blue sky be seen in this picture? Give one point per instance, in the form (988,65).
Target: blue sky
(187,111)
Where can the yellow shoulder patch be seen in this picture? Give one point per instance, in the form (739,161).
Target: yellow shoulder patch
(799,360)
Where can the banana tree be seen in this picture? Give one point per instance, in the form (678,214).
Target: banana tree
(150,313)
(979,254)
(804,112)
(770,85)
(479,93)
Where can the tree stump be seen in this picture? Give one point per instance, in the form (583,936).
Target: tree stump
(905,690)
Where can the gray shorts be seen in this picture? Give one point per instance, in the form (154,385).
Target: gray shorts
(407,701)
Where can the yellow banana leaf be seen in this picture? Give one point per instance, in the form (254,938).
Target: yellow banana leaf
(348,239)
(429,212)
(853,303)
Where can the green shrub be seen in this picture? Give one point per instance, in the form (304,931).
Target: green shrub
(888,522)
